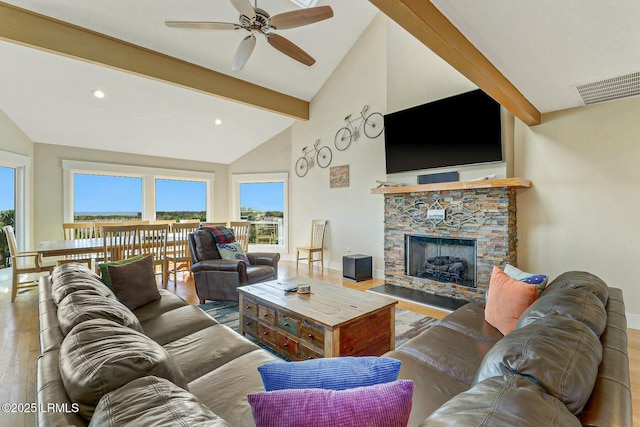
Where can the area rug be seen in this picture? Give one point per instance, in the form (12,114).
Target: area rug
(408,323)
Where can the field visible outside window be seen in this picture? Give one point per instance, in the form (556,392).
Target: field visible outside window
(106,197)
(263,203)
(180,199)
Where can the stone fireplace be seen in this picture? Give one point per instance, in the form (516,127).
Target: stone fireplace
(445,238)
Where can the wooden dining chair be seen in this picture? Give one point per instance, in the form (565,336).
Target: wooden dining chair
(179,254)
(241,231)
(74,231)
(153,241)
(318,228)
(23,263)
(77,230)
(165,221)
(137,222)
(97,226)
(120,242)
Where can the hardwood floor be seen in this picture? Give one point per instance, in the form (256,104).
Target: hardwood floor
(20,346)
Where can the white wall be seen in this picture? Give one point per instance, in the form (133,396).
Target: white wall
(582,211)
(416,75)
(355,215)
(12,138)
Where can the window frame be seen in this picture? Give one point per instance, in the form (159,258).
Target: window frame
(148,176)
(258,178)
(23,194)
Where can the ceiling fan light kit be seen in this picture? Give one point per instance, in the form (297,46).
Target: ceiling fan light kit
(258,21)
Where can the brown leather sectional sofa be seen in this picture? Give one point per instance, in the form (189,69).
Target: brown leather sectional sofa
(565,362)
(217,365)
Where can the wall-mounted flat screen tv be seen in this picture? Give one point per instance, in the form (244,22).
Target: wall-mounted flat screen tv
(460,130)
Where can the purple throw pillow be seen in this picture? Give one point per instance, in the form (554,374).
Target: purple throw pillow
(380,405)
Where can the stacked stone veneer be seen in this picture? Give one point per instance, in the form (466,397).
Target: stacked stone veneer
(496,237)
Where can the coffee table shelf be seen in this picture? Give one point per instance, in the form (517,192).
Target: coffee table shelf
(330,321)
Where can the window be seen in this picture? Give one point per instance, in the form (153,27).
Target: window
(121,191)
(262,200)
(177,199)
(18,190)
(106,197)
(7,209)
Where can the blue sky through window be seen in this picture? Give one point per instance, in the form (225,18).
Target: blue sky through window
(262,196)
(174,195)
(7,188)
(106,194)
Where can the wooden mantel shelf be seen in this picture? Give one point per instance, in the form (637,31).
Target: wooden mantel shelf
(457,185)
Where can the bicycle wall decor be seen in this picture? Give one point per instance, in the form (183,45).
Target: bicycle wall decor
(317,155)
(373,127)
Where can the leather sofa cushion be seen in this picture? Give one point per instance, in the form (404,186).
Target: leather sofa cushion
(224,390)
(85,305)
(208,349)
(504,401)
(71,277)
(175,324)
(99,356)
(431,388)
(153,401)
(580,280)
(205,245)
(168,301)
(454,354)
(469,320)
(560,354)
(572,303)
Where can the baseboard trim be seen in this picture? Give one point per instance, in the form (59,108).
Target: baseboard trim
(633,321)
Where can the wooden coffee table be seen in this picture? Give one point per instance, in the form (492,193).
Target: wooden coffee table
(330,321)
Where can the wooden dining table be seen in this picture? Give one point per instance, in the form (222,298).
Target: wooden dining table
(50,248)
(70,247)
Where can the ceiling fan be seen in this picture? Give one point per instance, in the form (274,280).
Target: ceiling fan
(258,21)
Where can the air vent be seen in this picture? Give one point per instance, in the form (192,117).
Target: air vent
(609,89)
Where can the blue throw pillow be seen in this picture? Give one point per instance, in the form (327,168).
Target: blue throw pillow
(540,280)
(333,373)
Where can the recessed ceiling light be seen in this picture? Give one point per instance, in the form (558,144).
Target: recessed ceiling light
(98,93)
(218,122)
(304,3)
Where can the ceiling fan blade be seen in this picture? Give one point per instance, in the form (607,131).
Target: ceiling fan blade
(244,7)
(298,18)
(203,25)
(290,49)
(244,52)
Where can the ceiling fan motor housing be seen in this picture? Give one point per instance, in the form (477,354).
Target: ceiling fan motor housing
(259,23)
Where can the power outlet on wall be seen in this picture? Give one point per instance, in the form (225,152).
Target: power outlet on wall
(348,250)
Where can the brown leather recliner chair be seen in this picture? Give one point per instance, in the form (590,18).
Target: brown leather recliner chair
(217,279)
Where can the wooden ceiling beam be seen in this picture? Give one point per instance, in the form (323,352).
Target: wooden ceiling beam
(41,32)
(425,22)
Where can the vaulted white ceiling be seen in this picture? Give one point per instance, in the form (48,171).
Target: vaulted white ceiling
(49,96)
(544,49)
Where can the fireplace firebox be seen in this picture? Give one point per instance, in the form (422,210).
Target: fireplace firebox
(441,259)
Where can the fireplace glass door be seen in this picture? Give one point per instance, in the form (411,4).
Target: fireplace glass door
(441,259)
